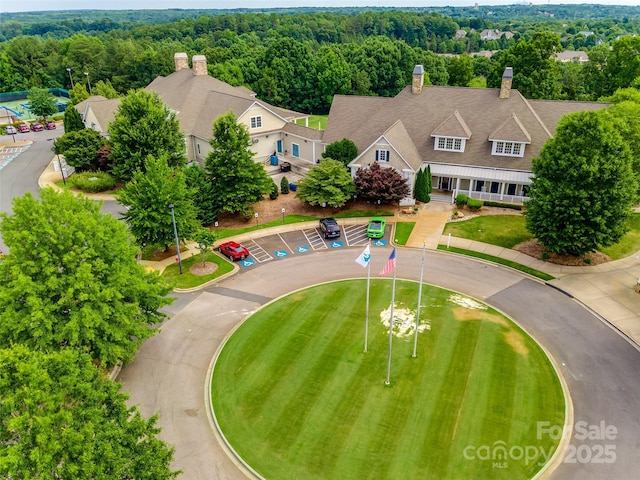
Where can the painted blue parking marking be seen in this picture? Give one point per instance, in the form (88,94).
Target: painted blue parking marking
(302,249)
(247,262)
(336,244)
(380,243)
(281,253)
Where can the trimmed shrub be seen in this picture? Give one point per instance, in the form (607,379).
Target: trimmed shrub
(284,186)
(273,194)
(92,182)
(474,204)
(503,205)
(461,200)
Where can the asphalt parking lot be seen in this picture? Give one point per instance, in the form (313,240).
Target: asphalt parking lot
(301,242)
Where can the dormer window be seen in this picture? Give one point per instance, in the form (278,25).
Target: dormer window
(256,122)
(508,149)
(382,155)
(450,144)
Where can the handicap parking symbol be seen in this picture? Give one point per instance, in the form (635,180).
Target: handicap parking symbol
(380,243)
(247,262)
(281,253)
(302,249)
(336,244)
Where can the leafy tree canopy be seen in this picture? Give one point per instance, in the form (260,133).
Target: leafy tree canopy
(72,119)
(81,148)
(583,186)
(237,180)
(328,183)
(148,196)
(144,126)
(343,150)
(72,280)
(384,184)
(42,102)
(61,417)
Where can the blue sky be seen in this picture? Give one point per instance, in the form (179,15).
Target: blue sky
(36,5)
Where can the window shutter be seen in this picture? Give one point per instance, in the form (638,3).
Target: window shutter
(388,152)
(377,155)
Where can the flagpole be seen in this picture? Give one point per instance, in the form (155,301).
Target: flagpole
(366,321)
(415,339)
(393,295)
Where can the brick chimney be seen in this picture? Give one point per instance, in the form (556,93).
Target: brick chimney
(418,80)
(199,65)
(507,78)
(181,61)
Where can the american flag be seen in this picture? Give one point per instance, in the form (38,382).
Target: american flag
(390,266)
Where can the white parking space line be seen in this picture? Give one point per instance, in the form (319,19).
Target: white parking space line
(356,235)
(315,239)
(257,252)
(286,244)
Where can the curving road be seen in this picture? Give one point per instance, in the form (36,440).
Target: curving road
(600,367)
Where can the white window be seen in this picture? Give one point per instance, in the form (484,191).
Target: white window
(256,122)
(508,149)
(382,155)
(450,144)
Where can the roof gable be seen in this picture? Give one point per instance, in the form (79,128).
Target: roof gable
(453,126)
(511,130)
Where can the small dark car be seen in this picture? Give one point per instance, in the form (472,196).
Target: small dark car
(50,125)
(329,227)
(37,127)
(23,128)
(234,251)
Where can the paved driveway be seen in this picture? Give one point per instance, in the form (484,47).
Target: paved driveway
(169,373)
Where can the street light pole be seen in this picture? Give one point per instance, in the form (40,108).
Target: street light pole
(88,82)
(70,77)
(175,232)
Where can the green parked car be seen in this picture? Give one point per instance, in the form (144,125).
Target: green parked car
(376,227)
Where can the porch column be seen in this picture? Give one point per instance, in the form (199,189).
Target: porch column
(471,180)
(502,191)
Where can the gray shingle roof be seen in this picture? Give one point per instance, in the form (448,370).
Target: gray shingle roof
(511,130)
(364,119)
(452,126)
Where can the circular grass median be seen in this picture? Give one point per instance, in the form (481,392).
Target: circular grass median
(296,397)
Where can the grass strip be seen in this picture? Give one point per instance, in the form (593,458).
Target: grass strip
(403,231)
(189,280)
(501,261)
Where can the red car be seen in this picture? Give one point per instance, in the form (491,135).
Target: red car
(50,125)
(23,128)
(37,127)
(234,251)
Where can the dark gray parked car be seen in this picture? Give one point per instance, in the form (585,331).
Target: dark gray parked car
(329,227)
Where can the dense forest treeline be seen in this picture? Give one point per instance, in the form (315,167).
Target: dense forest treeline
(300,59)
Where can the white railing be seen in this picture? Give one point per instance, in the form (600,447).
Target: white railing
(496,197)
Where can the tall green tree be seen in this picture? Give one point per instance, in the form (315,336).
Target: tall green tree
(583,186)
(72,280)
(61,417)
(42,102)
(535,73)
(375,183)
(237,180)
(204,196)
(72,119)
(104,88)
(81,148)
(342,150)
(422,187)
(143,126)
(78,93)
(147,198)
(328,183)
(460,69)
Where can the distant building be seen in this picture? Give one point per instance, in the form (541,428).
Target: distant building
(577,56)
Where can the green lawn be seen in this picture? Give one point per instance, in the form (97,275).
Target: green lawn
(402,232)
(630,243)
(188,280)
(297,398)
(503,230)
(319,122)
